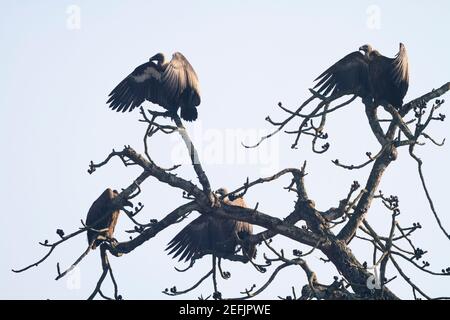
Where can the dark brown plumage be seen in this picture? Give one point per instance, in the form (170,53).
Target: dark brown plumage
(208,234)
(171,85)
(102,216)
(369,75)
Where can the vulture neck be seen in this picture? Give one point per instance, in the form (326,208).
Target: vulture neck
(372,54)
(161,61)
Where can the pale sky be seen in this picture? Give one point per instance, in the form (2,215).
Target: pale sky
(56,75)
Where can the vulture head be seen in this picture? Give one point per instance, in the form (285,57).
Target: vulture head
(366,49)
(126,202)
(159,58)
(222,192)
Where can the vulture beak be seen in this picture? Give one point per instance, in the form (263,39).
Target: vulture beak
(128,204)
(361,49)
(152,58)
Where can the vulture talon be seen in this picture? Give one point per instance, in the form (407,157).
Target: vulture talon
(214,200)
(113,242)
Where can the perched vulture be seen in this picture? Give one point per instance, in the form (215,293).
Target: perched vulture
(101,216)
(208,234)
(368,75)
(171,84)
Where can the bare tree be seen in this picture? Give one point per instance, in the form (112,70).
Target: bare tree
(330,232)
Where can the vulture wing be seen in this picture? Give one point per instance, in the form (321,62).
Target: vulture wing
(192,239)
(349,75)
(401,71)
(178,77)
(144,83)
(389,78)
(244,229)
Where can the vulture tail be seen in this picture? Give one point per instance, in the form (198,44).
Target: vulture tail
(189,112)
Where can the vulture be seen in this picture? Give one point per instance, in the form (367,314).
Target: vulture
(369,75)
(101,216)
(208,234)
(171,84)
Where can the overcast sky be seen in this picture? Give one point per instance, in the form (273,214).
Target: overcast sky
(59,61)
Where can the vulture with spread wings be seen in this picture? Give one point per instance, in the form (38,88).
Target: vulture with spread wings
(171,84)
(102,217)
(207,234)
(368,75)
